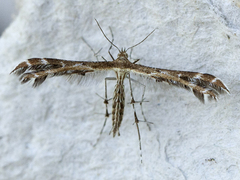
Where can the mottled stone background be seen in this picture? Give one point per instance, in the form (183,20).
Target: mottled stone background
(49,132)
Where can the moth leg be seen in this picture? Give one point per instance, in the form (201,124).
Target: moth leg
(111,44)
(141,102)
(95,54)
(135,116)
(106,100)
(130,54)
(130,57)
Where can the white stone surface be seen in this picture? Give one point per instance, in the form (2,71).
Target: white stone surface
(49,132)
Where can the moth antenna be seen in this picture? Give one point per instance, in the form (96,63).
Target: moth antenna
(141,41)
(106,36)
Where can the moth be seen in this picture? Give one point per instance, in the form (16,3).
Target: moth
(201,84)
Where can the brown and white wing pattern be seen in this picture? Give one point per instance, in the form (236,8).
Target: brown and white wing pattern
(41,68)
(199,83)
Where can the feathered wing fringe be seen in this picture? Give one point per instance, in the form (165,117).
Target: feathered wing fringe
(202,85)
(41,68)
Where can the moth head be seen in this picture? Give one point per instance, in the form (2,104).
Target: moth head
(123,54)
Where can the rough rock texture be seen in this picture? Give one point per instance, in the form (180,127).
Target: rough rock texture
(49,132)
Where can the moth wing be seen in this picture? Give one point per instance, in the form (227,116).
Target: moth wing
(201,84)
(40,69)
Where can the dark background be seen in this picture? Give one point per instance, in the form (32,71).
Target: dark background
(7,9)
